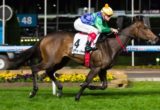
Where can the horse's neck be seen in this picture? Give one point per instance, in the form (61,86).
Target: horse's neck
(112,48)
(114,44)
(125,35)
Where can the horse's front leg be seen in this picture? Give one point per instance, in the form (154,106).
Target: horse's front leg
(89,78)
(103,79)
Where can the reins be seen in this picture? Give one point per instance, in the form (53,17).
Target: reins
(120,42)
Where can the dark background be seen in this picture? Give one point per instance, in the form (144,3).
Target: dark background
(75,7)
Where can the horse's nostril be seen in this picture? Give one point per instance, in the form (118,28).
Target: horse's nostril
(156,39)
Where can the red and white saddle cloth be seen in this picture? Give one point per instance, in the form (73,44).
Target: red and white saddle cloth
(79,43)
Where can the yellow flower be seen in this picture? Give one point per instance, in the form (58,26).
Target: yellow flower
(46,79)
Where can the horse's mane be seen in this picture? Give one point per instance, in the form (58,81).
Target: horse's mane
(122,23)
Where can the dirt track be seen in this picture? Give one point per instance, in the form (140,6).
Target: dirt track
(64,70)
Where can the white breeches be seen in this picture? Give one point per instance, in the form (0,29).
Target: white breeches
(79,26)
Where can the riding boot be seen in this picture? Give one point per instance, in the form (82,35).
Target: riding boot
(91,38)
(88,47)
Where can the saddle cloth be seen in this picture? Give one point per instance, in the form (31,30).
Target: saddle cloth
(79,43)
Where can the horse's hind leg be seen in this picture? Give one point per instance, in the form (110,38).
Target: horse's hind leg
(35,69)
(51,71)
(102,76)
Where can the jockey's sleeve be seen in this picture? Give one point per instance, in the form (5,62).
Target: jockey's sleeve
(102,26)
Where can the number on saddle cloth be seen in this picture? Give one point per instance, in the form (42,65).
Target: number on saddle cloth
(79,43)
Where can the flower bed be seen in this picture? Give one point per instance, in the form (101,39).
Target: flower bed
(12,77)
(9,76)
(76,77)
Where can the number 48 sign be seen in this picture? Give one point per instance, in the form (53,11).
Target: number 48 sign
(27,20)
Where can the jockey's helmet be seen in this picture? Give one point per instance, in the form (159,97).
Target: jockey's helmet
(107,10)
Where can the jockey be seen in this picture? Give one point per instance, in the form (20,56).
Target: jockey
(93,24)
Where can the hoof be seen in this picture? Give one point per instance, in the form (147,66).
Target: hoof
(33,92)
(59,94)
(77,98)
(31,95)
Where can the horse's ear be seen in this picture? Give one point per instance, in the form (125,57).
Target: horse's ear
(135,19)
(138,18)
(123,22)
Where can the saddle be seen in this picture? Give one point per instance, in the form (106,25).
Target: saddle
(80,43)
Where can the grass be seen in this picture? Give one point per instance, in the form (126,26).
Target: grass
(140,96)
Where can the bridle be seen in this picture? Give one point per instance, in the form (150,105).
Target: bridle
(120,42)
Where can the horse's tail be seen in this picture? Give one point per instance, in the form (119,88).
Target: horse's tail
(25,55)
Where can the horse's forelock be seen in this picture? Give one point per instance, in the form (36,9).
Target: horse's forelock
(138,24)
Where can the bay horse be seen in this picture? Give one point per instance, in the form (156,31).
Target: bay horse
(54,51)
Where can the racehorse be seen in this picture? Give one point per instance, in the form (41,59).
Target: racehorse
(54,51)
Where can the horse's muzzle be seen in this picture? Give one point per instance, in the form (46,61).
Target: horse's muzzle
(154,41)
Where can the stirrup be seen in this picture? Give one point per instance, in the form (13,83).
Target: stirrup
(88,48)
